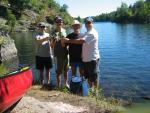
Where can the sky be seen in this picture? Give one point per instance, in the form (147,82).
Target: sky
(84,8)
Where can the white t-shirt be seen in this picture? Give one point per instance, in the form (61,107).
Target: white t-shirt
(90,49)
(44,49)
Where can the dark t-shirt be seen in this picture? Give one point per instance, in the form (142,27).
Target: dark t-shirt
(59,51)
(75,50)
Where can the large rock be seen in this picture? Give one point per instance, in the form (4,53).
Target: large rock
(8,51)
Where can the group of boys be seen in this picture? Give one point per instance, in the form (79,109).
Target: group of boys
(82,49)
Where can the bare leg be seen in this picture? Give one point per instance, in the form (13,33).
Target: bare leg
(93,85)
(58,80)
(90,83)
(66,77)
(41,76)
(81,71)
(47,76)
(74,70)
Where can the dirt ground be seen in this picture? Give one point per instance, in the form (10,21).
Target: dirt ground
(60,101)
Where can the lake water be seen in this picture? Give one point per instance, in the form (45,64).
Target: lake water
(125,58)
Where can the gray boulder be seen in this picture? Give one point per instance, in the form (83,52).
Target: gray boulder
(8,49)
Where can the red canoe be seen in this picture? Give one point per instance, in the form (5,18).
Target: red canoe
(13,87)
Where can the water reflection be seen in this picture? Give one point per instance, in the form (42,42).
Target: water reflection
(3,70)
(139,108)
(9,66)
(26,47)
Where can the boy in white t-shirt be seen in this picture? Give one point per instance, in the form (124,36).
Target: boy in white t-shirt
(43,54)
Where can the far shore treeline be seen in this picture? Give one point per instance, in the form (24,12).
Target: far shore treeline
(139,12)
(21,14)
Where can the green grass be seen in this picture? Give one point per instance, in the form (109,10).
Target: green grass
(111,104)
(98,99)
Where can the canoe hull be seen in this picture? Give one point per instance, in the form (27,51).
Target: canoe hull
(13,87)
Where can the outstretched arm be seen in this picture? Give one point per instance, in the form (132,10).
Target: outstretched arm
(73,41)
(40,41)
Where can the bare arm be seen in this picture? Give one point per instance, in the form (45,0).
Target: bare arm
(77,41)
(62,44)
(40,41)
(73,41)
(52,44)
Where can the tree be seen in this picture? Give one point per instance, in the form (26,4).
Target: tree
(123,13)
(140,12)
(79,19)
(64,8)
(19,5)
(11,20)
(3,1)
(147,0)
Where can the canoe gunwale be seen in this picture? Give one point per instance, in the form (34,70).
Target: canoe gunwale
(13,73)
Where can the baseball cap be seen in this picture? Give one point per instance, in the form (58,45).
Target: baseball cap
(41,24)
(58,19)
(88,19)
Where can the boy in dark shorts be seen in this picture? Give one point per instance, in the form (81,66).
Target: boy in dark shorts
(43,54)
(75,50)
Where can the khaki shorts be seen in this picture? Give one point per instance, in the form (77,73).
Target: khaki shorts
(61,65)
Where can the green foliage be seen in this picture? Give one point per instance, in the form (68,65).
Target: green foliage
(11,20)
(54,10)
(123,13)
(2,11)
(79,19)
(53,5)
(64,8)
(44,8)
(138,13)
(19,5)
(66,18)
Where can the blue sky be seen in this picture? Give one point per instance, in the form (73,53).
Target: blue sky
(84,8)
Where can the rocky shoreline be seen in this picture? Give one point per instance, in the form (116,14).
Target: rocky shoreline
(8,51)
(21,26)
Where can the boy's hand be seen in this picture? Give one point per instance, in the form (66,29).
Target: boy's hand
(62,42)
(65,40)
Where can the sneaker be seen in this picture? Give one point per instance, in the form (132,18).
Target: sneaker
(67,86)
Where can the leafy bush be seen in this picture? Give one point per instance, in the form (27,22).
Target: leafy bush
(11,20)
